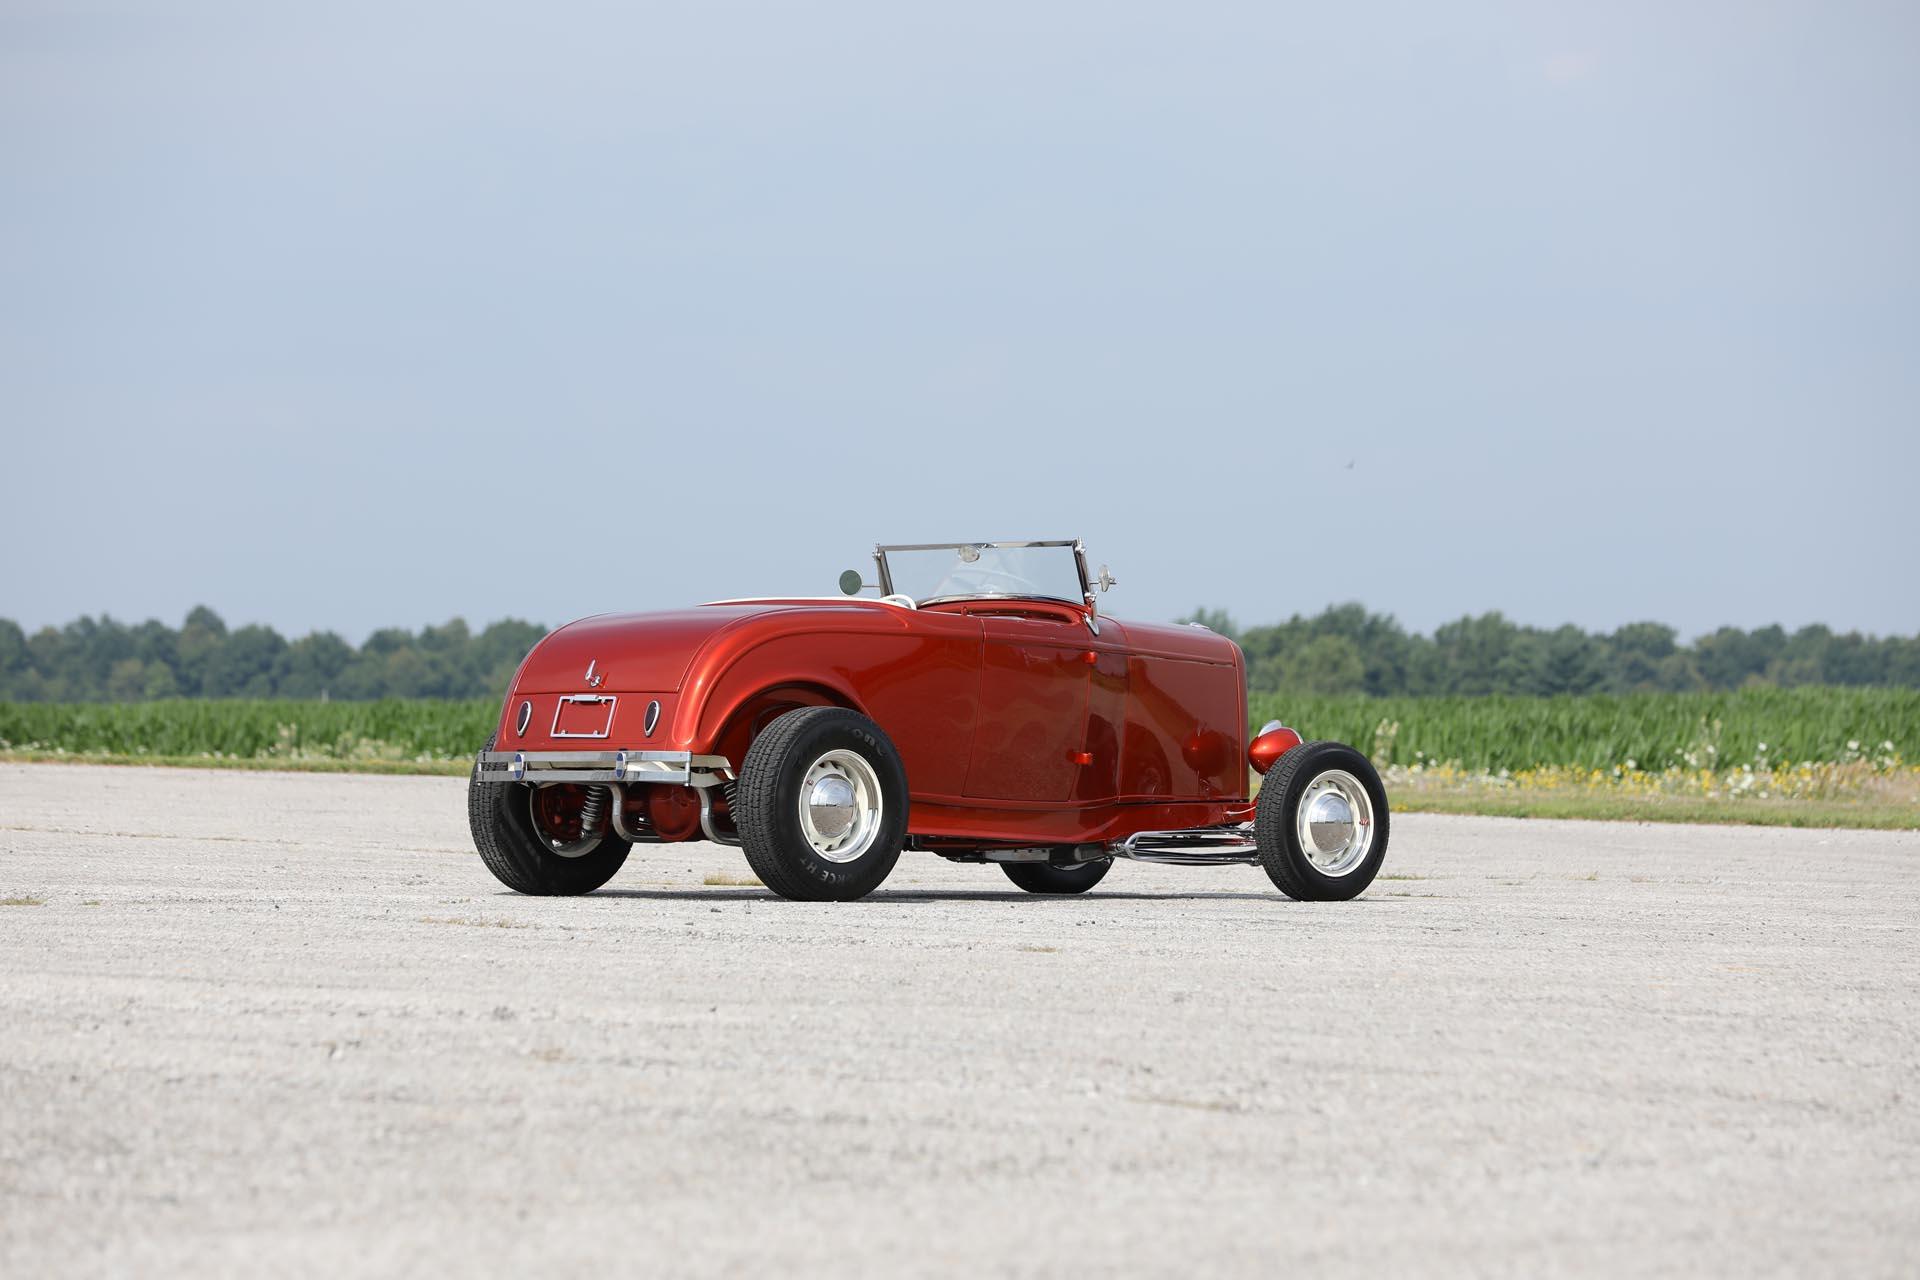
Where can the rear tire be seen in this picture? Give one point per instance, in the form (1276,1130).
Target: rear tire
(822,805)
(1309,862)
(1044,877)
(501,816)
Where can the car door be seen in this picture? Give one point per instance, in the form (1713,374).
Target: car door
(1029,740)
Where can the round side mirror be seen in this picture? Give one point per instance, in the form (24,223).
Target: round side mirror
(850,583)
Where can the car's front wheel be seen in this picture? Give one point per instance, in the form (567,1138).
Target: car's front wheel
(544,840)
(1321,823)
(822,805)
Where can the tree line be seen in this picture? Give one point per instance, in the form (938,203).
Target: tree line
(1344,649)
(101,660)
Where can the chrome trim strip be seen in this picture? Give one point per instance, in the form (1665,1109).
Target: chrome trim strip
(613,705)
(955,546)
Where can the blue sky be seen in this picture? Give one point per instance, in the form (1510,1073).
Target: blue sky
(355,315)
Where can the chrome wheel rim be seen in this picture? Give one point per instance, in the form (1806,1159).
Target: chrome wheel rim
(840,806)
(542,828)
(1334,823)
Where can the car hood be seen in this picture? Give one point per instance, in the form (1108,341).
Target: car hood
(1178,640)
(638,651)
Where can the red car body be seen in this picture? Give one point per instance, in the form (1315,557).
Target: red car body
(980,709)
(1018,722)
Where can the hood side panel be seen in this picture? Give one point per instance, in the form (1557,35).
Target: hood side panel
(1167,640)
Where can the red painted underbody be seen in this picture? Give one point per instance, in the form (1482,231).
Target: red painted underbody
(1016,722)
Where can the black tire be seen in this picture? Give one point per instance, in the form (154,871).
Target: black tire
(502,820)
(1277,832)
(1045,877)
(766,805)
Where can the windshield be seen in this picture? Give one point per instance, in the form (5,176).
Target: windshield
(970,570)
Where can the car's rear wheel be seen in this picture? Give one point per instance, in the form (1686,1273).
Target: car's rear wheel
(822,805)
(544,840)
(1321,823)
(1047,877)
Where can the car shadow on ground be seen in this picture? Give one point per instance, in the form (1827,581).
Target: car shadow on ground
(906,897)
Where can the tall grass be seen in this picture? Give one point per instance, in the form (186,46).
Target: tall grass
(1654,731)
(253,728)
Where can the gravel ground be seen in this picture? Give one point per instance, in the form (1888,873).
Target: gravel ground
(287,1023)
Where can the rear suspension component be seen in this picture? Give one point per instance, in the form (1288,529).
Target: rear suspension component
(592,809)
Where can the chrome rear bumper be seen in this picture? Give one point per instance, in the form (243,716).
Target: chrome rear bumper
(604,766)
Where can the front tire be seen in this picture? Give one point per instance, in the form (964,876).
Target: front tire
(822,805)
(1044,877)
(1321,823)
(503,816)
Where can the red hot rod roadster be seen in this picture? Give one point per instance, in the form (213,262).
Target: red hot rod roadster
(979,707)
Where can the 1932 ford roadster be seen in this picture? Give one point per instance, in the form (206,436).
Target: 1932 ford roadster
(979,708)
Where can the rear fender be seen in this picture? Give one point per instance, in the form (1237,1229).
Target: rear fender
(731,721)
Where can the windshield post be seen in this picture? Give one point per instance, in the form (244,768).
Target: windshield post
(1086,584)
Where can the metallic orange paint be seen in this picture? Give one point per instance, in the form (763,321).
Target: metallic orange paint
(1270,746)
(1015,720)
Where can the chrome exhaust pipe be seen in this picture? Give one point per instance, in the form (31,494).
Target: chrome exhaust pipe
(1222,846)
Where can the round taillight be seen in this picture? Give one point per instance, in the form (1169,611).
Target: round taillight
(521,721)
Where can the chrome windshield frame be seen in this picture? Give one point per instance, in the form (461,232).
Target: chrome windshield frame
(1079,560)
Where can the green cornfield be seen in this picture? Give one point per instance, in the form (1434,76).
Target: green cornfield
(252,729)
(1598,731)
(1653,731)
